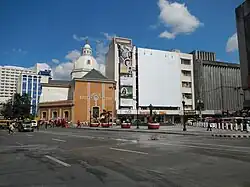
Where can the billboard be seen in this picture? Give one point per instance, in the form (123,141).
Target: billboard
(125,75)
(159,78)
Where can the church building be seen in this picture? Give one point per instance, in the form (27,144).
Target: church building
(82,98)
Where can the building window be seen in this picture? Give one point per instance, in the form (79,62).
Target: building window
(88,62)
(185,61)
(54,115)
(44,115)
(187,96)
(186,73)
(66,114)
(186,84)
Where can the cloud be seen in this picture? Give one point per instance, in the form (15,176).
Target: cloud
(73,55)
(20,51)
(62,71)
(56,61)
(101,50)
(108,36)
(176,18)
(232,43)
(79,38)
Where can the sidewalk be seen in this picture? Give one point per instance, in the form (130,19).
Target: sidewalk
(177,129)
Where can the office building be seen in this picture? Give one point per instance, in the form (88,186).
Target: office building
(30,83)
(203,55)
(243,33)
(217,85)
(163,79)
(8,80)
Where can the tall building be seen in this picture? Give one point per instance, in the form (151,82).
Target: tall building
(243,33)
(217,85)
(8,80)
(30,83)
(163,79)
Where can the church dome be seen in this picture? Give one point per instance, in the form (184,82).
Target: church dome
(85,63)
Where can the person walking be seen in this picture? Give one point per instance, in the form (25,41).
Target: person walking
(11,129)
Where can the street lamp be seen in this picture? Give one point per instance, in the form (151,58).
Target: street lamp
(150,113)
(200,106)
(89,117)
(184,124)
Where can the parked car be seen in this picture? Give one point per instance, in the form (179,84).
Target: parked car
(25,126)
(34,123)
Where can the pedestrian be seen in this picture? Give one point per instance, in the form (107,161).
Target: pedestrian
(11,129)
(78,124)
(209,128)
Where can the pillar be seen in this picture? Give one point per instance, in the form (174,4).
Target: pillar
(172,119)
(49,114)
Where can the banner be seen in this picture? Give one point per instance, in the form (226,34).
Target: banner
(125,75)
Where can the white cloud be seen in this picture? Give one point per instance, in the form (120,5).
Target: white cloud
(21,51)
(73,55)
(62,71)
(232,43)
(101,50)
(56,61)
(79,38)
(176,18)
(108,36)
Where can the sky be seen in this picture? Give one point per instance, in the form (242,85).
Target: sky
(53,32)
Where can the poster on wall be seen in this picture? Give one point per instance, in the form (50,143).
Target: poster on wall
(125,75)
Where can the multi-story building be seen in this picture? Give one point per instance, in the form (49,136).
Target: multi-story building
(8,80)
(30,83)
(203,55)
(217,85)
(163,79)
(243,33)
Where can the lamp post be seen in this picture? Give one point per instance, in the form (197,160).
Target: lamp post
(89,117)
(199,107)
(184,124)
(150,113)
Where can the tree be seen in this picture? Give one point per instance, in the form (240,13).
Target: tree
(18,107)
(7,110)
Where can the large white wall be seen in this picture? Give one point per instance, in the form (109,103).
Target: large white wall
(53,94)
(159,78)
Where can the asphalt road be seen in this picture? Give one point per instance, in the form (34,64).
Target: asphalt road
(76,157)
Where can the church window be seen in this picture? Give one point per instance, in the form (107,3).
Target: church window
(88,62)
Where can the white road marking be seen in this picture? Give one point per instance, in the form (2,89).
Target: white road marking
(125,140)
(30,135)
(19,143)
(59,140)
(58,161)
(129,151)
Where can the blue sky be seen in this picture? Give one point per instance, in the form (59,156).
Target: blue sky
(39,31)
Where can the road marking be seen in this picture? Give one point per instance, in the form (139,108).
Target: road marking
(125,140)
(57,161)
(129,151)
(30,135)
(19,143)
(59,140)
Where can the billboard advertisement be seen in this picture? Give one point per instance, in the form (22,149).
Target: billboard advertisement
(159,78)
(125,75)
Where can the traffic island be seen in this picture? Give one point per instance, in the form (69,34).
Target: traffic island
(94,125)
(126,125)
(153,125)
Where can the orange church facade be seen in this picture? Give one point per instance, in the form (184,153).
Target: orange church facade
(87,98)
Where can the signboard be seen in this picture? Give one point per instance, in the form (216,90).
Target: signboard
(125,75)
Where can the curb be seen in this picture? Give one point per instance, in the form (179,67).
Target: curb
(231,136)
(143,131)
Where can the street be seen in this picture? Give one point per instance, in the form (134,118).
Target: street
(77,157)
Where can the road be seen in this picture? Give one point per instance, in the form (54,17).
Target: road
(76,157)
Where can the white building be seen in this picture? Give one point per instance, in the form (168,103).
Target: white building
(8,80)
(165,79)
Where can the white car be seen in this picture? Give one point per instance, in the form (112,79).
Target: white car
(34,123)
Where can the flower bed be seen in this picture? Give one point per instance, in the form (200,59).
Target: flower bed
(153,125)
(94,125)
(126,125)
(106,125)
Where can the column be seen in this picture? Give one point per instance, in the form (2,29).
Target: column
(49,114)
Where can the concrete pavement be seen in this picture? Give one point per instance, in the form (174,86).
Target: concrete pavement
(73,157)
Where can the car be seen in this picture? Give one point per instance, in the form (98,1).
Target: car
(34,123)
(25,126)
